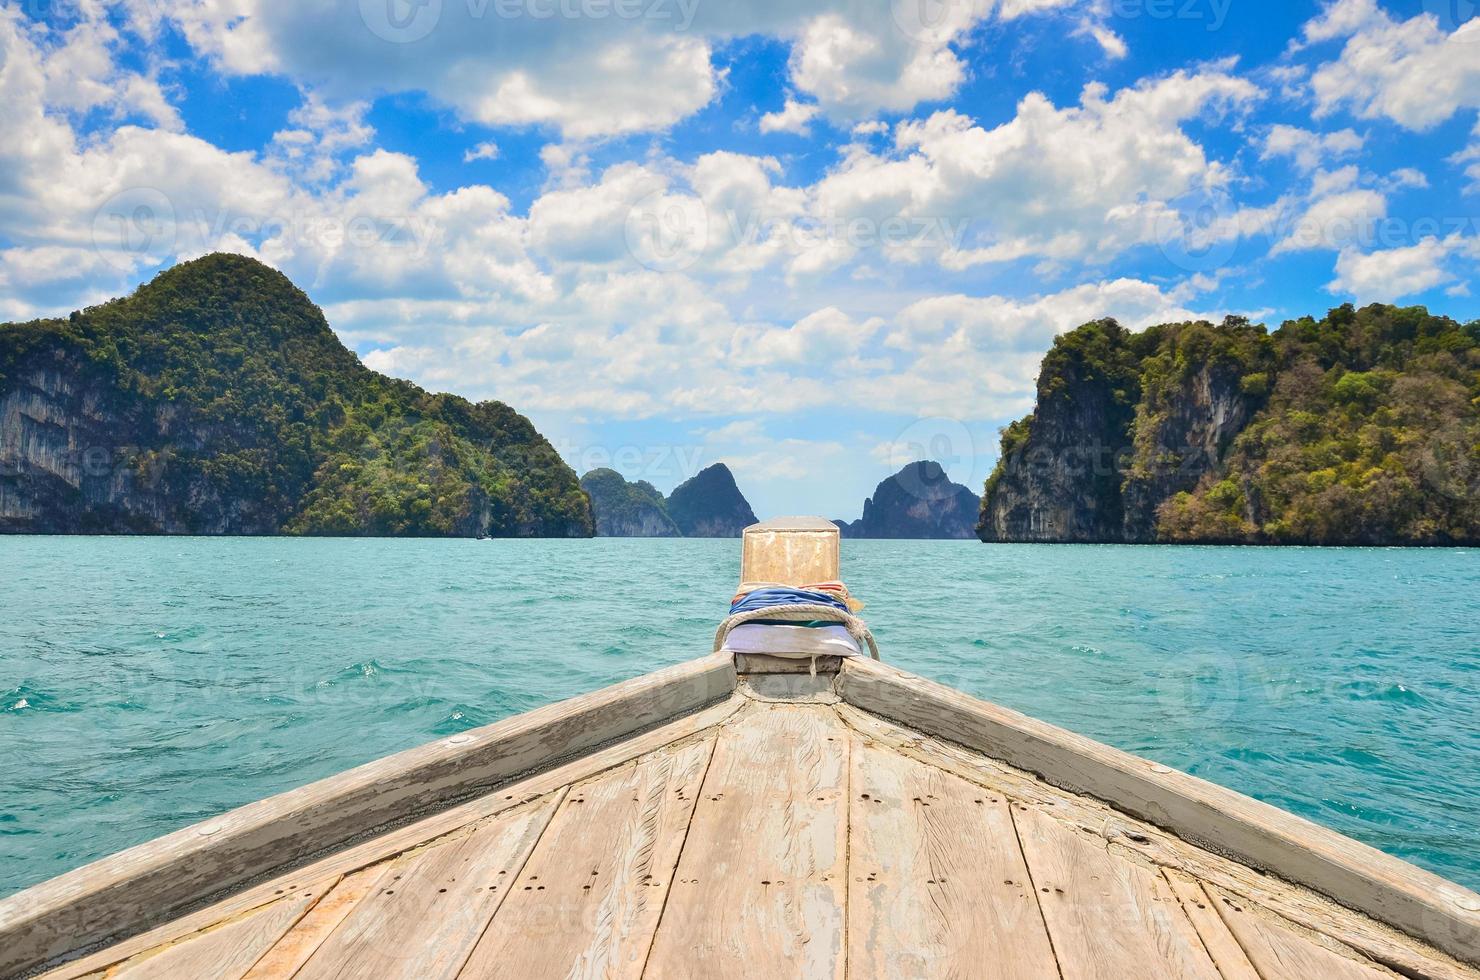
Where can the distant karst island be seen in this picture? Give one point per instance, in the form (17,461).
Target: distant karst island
(217,400)
(919,501)
(709,505)
(1361,428)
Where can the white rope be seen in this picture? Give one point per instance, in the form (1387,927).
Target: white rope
(804,612)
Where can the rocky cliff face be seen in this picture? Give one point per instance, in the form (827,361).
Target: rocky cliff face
(1181,437)
(627,510)
(710,505)
(919,501)
(1361,428)
(1058,479)
(217,400)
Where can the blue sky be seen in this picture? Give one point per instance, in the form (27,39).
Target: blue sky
(815,240)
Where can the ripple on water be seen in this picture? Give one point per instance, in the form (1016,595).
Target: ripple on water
(1338,684)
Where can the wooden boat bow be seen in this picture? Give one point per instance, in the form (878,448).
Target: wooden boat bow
(737,815)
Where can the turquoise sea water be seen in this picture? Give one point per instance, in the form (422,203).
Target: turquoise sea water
(146,683)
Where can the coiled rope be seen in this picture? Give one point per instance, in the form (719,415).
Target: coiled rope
(803,612)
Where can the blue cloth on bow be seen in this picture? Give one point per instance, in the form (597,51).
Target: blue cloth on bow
(769,598)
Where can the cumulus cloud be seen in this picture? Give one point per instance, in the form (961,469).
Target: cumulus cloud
(1339,219)
(793,117)
(1415,72)
(592,69)
(1029,188)
(1309,150)
(1469,158)
(1388,275)
(487,150)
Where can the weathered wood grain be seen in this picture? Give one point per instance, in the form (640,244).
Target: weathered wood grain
(761,886)
(227,950)
(1421,904)
(145,885)
(427,913)
(382,846)
(1375,939)
(765,663)
(1109,917)
(1279,952)
(587,902)
(1221,945)
(791,550)
(290,952)
(938,887)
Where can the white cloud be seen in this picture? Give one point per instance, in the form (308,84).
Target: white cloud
(1336,221)
(487,150)
(1391,274)
(592,69)
(826,335)
(794,117)
(1469,158)
(1309,150)
(1031,187)
(1413,72)
(320,134)
(1110,42)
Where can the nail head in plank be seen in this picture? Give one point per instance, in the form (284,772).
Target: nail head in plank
(760,888)
(426,915)
(290,952)
(1221,945)
(588,900)
(1278,951)
(146,885)
(938,885)
(1108,917)
(1360,877)
(227,950)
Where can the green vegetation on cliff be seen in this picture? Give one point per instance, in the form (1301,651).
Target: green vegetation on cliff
(223,380)
(627,510)
(1360,428)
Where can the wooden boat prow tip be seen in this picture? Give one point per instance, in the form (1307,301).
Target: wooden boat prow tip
(737,816)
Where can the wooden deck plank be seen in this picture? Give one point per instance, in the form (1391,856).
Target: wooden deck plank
(1221,945)
(391,843)
(1439,912)
(1374,939)
(290,952)
(761,885)
(938,886)
(1108,916)
(427,914)
(226,951)
(144,886)
(587,902)
(1279,952)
